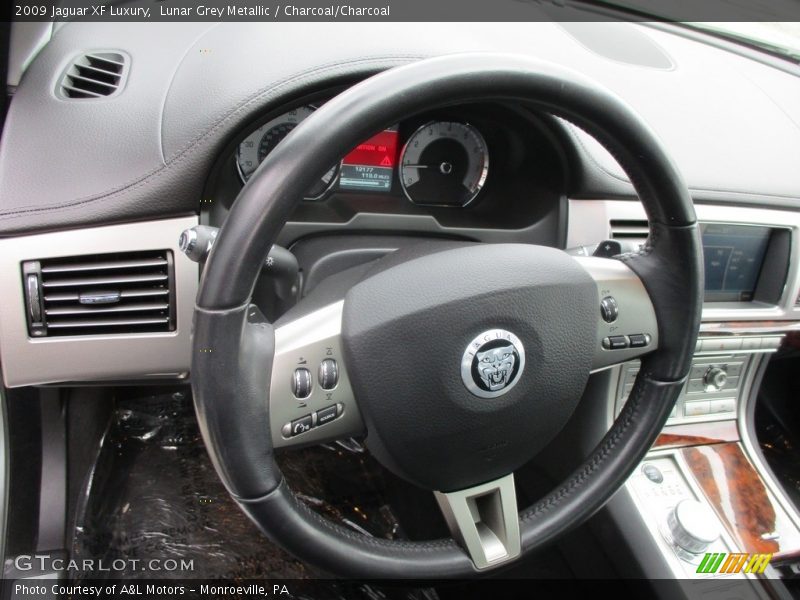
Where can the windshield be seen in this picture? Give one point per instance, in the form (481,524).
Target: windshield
(782,38)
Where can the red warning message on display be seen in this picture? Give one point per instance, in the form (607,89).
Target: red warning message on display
(378,151)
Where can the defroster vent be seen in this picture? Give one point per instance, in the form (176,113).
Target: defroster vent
(132,292)
(94,75)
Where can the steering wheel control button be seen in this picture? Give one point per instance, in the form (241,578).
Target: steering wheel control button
(639,340)
(615,342)
(326,415)
(301,383)
(653,473)
(328,374)
(492,363)
(609,309)
(298,426)
(692,526)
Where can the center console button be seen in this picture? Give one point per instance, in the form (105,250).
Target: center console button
(716,378)
(734,369)
(653,473)
(696,408)
(692,526)
(725,405)
(751,343)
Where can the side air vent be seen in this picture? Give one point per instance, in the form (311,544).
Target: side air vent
(628,229)
(96,75)
(130,292)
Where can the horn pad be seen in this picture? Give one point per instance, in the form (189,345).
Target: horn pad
(468,359)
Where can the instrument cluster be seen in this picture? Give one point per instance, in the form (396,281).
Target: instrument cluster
(432,163)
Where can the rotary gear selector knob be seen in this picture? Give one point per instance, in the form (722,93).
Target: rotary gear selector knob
(715,378)
(692,526)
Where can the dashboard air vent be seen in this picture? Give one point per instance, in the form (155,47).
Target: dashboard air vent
(96,75)
(130,292)
(628,229)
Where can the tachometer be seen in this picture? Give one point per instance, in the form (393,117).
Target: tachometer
(263,140)
(444,163)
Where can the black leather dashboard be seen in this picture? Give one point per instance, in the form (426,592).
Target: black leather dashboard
(731,123)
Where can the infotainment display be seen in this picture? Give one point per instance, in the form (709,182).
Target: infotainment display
(734,255)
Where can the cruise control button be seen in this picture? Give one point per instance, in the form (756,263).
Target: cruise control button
(327,414)
(638,340)
(615,342)
(328,374)
(609,309)
(301,425)
(301,383)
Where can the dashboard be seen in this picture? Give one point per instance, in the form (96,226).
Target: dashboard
(103,225)
(469,166)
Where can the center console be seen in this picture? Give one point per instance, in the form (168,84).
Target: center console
(703,493)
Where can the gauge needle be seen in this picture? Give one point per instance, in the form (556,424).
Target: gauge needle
(417,166)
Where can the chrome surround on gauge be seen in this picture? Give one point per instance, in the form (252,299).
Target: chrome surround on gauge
(281,118)
(503,358)
(484,169)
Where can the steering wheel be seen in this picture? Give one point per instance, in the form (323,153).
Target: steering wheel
(459,361)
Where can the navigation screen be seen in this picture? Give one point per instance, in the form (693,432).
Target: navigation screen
(733,258)
(370,166)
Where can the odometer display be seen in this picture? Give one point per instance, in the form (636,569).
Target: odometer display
(444,163)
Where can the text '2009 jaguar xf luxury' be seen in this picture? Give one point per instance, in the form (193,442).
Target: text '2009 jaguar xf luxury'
(286,300)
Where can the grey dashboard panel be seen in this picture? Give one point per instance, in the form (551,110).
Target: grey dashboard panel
(28,361)
(730,123)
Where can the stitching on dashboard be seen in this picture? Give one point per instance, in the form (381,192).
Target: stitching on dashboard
(185,151)
(571,129)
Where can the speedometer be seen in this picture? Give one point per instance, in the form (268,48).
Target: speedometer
(444,163)
(256,146)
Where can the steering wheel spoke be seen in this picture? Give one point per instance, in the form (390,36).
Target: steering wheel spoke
(484,519)
(311,400)
(626,325)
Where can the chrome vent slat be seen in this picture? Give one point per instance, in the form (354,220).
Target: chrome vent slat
(109,323)
(89,310)
(102,281)
(98,266)
(121,293)
(134,293)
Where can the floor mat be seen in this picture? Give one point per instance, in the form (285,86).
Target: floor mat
(154,494)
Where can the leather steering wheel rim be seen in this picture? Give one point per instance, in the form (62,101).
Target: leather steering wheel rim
(233,345)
